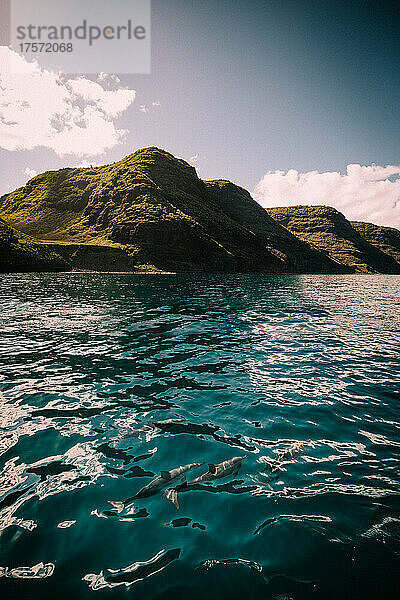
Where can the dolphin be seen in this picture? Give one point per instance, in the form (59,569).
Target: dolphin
(164,479)
(227,467)
(284,455)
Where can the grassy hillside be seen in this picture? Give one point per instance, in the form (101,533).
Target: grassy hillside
(328,230)
(20,253)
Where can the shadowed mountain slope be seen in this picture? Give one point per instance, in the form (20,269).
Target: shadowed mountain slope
(20,253)
(299,255)
(386,239)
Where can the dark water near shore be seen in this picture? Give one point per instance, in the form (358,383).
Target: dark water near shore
(252,365)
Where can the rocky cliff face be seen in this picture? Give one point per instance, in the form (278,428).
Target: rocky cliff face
(150,210)
(328,230)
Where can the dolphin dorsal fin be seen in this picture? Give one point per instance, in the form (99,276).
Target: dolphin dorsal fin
(212,468)
(165,474)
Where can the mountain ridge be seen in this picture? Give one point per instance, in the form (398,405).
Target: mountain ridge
(152,211)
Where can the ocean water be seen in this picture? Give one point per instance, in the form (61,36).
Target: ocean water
(298,374)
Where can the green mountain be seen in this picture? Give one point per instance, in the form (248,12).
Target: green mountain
(328,230)
(151,211)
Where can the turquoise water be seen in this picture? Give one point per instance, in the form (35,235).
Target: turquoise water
(300,374)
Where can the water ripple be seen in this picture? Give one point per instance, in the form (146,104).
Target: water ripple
(107,380)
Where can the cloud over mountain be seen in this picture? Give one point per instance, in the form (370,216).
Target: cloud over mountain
(363,193)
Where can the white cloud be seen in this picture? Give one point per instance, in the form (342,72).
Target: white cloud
(30,172)
(370,193)
(194,158)
(70,116)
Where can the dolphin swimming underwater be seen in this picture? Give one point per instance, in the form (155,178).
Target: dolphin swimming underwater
(284,455)
(227,467)
(164,479)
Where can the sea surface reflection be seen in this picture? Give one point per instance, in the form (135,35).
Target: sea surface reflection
(109,381)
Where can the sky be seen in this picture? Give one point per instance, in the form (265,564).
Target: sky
(298,101)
